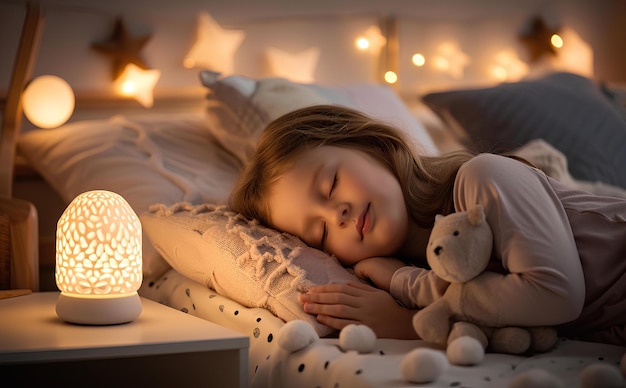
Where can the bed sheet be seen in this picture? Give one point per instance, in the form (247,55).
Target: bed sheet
(324,364)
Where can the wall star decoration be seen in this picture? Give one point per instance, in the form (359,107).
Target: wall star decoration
(299,67)
(451,60)
(508,66)
(138,83)
(123,48)
(215,47)
(537,39)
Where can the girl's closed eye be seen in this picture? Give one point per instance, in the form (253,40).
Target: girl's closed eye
(332,185)
(330,193)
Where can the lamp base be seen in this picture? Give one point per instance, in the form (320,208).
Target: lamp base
(92,310)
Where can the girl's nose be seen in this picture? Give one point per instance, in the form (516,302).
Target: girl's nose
(342,213)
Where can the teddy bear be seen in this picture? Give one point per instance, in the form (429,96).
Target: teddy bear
(458,250)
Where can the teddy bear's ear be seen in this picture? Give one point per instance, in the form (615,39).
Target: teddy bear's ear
(438,218)
(476,215)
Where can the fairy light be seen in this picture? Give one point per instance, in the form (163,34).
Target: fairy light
(391,77)
(556,41)
(418,60)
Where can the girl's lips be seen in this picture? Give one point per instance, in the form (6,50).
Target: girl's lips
(363,223)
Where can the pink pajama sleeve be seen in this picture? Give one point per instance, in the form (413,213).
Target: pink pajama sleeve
(532,238)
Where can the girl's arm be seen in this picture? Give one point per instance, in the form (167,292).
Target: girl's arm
(414,287)
(338,305)
(532,237)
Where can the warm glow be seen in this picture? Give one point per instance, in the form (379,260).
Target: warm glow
(372,40)
(508,66)
(451,60)
(362,44)
(98,246)
(138,83)
(556,41)
(128,88)
(391,77)
(441,63)
(499,73)
(98,260)
(575,56)
(298,67)
(48,101)
(189,63)
(418,59)
(215,47)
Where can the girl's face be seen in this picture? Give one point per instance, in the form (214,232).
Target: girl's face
(342,201)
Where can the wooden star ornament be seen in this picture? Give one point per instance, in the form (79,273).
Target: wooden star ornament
(123,49)
(537,39)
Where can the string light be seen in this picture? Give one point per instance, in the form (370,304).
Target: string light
(372,40)
(391,77)
(556,41)
(418,60)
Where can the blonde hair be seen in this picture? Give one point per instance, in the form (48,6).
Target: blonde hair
(426,181)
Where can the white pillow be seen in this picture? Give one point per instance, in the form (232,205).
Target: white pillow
(147,160)
(249,105)
(240,259)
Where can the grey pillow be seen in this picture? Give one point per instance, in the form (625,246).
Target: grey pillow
(568,111)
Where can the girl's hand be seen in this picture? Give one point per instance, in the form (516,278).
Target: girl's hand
(378,270)
(338,305)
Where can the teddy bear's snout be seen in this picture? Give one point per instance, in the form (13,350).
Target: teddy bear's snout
(438,250)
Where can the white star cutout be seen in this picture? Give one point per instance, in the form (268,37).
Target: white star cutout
(373,40)
(298,67)
(508,66)
(451,59)
(215,47)
(138,83)
(576,56)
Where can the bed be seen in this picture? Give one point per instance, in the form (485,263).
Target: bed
(176,169)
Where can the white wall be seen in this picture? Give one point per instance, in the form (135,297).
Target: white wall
(479,25)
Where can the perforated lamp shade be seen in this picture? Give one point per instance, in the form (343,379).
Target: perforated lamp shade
(98,260)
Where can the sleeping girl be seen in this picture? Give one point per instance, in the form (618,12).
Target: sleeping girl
(358,189)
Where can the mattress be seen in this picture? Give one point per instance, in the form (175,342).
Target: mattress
(323,363)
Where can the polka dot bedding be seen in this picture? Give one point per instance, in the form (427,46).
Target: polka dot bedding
(323,363)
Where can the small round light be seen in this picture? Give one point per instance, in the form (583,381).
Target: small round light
(362,43)
(418,59)
(391,77)
(48,101)
(556,41)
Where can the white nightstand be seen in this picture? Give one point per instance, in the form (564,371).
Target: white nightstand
(163,347)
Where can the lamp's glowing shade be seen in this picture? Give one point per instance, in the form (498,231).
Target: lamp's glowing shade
(98,260)
(48,101)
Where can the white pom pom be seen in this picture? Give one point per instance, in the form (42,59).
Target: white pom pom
(423,365)
(622,365)
(357,337)
(535,378)
(296,335)
(601,375)
(465,350)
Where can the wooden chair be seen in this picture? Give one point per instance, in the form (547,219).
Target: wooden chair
(19,260)
(19,253)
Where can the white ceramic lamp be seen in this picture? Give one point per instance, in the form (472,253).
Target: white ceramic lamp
(98,260)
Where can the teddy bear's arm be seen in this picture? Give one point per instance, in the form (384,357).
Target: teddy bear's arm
(417,287)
